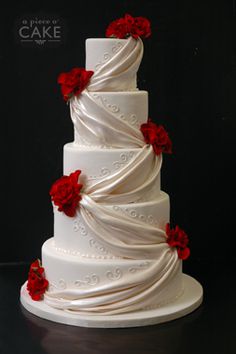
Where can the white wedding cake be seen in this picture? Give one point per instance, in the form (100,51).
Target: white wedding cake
(109,264)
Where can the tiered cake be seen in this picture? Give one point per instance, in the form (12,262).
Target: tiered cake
(110,265)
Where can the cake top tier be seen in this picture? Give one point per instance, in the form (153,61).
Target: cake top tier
(115,63)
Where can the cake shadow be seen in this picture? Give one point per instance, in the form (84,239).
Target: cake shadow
(56,338)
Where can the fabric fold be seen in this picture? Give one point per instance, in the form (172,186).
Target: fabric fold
(120,233)
(126,296)
(130,183)
(119,69)
(96,125)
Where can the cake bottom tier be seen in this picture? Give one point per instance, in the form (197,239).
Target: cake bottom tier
(190,299)
(110,286)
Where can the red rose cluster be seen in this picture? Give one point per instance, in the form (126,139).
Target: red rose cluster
(73,82)
(129,26)
(65,193)
(37,283)
(178,238)
(157,136)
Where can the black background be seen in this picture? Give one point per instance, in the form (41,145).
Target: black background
(189,70)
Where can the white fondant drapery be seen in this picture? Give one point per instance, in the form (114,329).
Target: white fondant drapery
(130,183)
(118,70)
(128,238)
(127,294)
(95,125)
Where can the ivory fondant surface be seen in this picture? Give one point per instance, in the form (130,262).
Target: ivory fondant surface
(109,119)
(74,236)
(110,286)
(115,63)
(116,175)
(190,300)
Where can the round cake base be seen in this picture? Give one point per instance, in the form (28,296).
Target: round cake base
(186,303)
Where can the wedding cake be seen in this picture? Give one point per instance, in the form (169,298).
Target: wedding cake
(114,259)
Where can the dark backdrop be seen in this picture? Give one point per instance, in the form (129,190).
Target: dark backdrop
(189,69)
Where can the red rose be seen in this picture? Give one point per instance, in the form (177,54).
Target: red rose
(157,136)
(65,193)
(74,82)
(37,283)
(129,26)
(118,29)
(179,239)
(141,28)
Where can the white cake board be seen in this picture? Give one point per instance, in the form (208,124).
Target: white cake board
(188,302)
